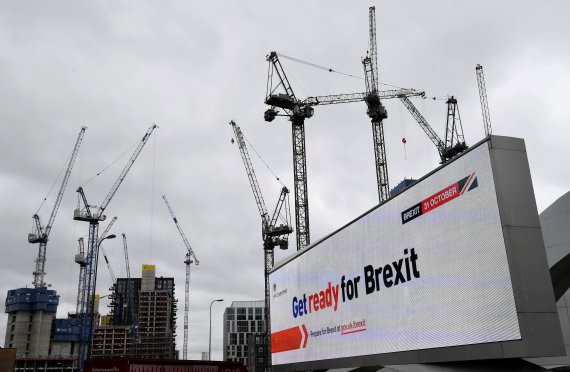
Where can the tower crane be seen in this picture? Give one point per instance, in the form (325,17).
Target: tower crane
(40,233)
(131,299)
(82,260)
(454,140)
(188,259)
(376,111)
(93,217)
(298,110)
(454,143)
(273,235)
(483,99)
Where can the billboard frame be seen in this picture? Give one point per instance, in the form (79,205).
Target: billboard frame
(532,287)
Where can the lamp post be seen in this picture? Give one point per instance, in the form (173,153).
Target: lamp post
(210,338)
(91,311)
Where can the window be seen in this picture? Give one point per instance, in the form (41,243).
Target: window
(242,326)
(241,313)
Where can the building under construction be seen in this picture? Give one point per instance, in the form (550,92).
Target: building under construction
(144,319)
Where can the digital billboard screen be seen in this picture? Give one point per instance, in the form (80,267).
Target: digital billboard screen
(426,269)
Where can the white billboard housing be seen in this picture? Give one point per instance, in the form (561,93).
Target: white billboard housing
(452,268)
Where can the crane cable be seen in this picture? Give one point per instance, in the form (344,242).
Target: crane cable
(319,66)
(54,182)
(262,160)
(110,164)
(332,70)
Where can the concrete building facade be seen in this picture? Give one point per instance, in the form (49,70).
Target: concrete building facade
(31,312)
(241,319)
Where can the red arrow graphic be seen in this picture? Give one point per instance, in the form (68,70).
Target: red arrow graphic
(289,339)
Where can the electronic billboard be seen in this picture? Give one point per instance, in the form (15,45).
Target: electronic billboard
(427,269)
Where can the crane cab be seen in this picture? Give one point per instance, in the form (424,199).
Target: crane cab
(82,215)
(37,238)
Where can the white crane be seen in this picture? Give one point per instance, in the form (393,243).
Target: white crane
(189,258)
(40,234)
(131,299)
(94,217)
(483,99)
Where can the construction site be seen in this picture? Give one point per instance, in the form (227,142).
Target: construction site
(479,283)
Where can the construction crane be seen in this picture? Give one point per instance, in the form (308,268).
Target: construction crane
(188,259)
(81,259)
(454,140)
(376,111)
(131,298)
(454,143)
(40,233)
(94,217)
(298,110)
(483,99)
(273,235)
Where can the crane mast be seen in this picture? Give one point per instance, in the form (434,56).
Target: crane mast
(454,140)
(188,259)
(94,217)
(376,111)
(80,259)
(272,234)
(41,234)
(297,112)
(483,99)
(131,299)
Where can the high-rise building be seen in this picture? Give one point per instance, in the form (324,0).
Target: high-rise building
(154,308)
(242,319)
(30,315)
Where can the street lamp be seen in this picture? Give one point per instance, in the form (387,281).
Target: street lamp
(91,310)
(210,339)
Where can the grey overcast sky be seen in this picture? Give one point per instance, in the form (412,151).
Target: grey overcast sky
(191,67)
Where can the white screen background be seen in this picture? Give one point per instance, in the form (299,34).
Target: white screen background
(464,294)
